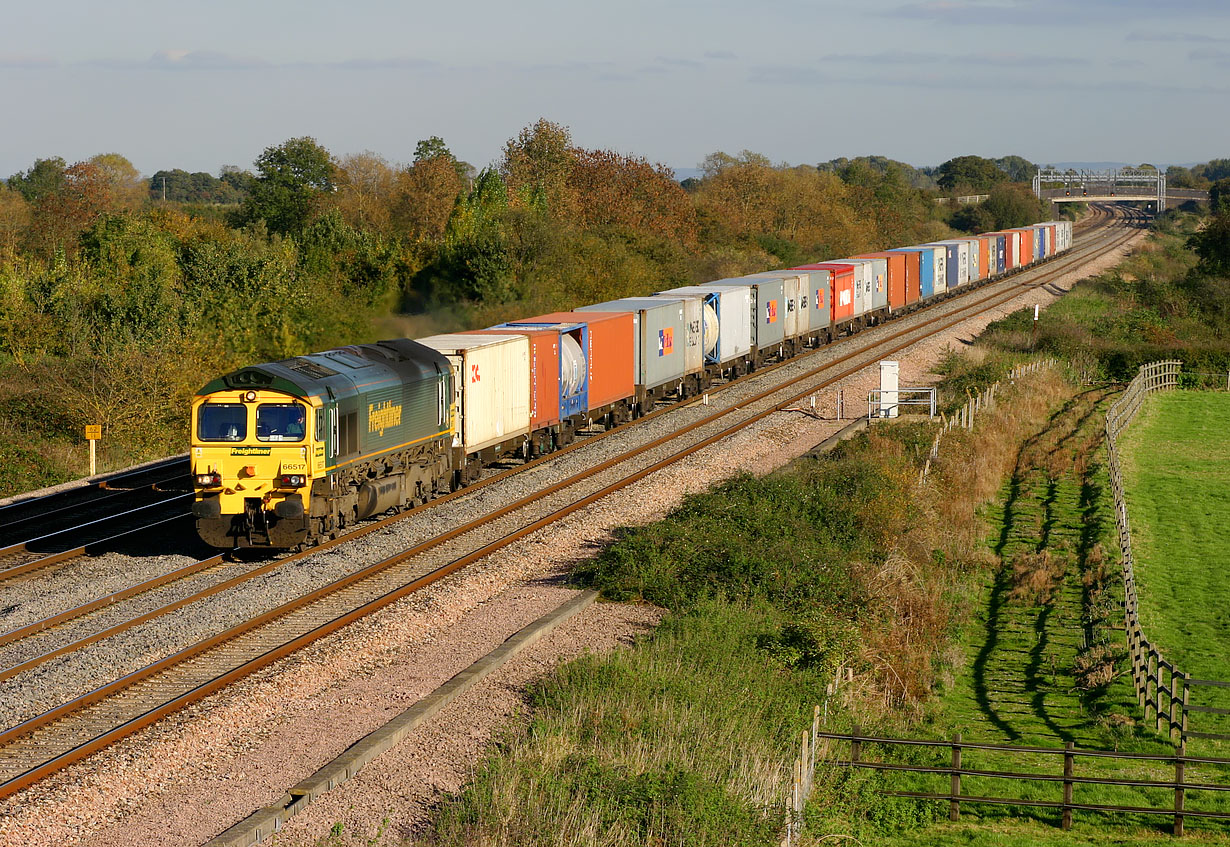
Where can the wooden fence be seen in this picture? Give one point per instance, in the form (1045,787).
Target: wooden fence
(1064,776)
(1163,691)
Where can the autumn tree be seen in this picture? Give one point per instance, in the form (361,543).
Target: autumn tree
(536,168)
(126,187)
(424,197)
(291,180)
(365,186)
(627,192)
(61,216)
(14,218)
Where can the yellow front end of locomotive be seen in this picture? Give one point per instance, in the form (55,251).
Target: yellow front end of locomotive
(253,458)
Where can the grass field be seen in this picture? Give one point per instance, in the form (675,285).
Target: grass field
(1176,465)
(1044,662)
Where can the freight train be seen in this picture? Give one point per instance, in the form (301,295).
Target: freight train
(290,453)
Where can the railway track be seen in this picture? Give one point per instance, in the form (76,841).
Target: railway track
(31,517)
(49,741)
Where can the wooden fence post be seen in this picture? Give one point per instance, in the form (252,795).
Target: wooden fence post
(1187,690)
(954,783)
(1157,693)
(1179,793)
(1176,679)
(1068,767)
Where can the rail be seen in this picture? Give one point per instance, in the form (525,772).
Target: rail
(1163,690)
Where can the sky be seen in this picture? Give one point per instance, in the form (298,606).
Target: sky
(198,85)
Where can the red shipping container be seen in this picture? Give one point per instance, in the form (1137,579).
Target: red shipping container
(544,371)
(610,359)
(841,288)
(897,276)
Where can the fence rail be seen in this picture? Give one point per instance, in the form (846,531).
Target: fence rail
(1163,690)
(1067,777)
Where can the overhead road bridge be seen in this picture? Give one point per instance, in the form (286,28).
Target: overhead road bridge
(1111,186)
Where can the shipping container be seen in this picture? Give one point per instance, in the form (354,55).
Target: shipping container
(660,339)
(843,301)
(1025,253)
(1012,248)
(816,301)
(726,320)
(572,339)
(864,285)
(956,269)
(544,373)
(895,276)
(985,270)
(798,298)
(926,268)
(768,312)
(491,388)
(607,358)
(913,275)
(1001,253)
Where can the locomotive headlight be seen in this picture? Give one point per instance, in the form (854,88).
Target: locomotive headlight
(250,397)
(292,480)
(213,479)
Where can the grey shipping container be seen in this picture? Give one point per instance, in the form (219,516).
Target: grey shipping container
(726,319)
(768,312)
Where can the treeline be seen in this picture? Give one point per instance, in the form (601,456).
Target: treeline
(115,303)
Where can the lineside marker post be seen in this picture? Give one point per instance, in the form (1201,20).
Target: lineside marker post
(93,433)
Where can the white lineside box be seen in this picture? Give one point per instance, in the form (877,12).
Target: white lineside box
(888,388)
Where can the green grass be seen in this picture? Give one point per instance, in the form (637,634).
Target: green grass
(1176,464)
(1053,598)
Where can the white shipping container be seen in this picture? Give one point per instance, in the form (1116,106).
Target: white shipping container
(491,386)
(864,284)
(727,318)
(963,250)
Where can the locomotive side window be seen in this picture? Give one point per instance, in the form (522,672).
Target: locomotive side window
(280,422)
(222,422)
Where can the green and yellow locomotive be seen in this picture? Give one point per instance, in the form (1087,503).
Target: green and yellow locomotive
(288,453)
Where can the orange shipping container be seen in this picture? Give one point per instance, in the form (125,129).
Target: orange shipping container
(1027,245)
(985,252)
(610,359)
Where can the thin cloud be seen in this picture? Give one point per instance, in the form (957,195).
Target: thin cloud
(1051,12)
(720,55)
(24,60)
(679,63)
(1176,38)
(1218,57)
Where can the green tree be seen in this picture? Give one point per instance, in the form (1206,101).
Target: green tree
(1018,168)
(970,171)
(430,149)
(44,177)
(1219,195)
(536,167)
(1212,244)
(1012,204)
(291,178)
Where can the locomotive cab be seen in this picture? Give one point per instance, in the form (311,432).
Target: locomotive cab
(253,454)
